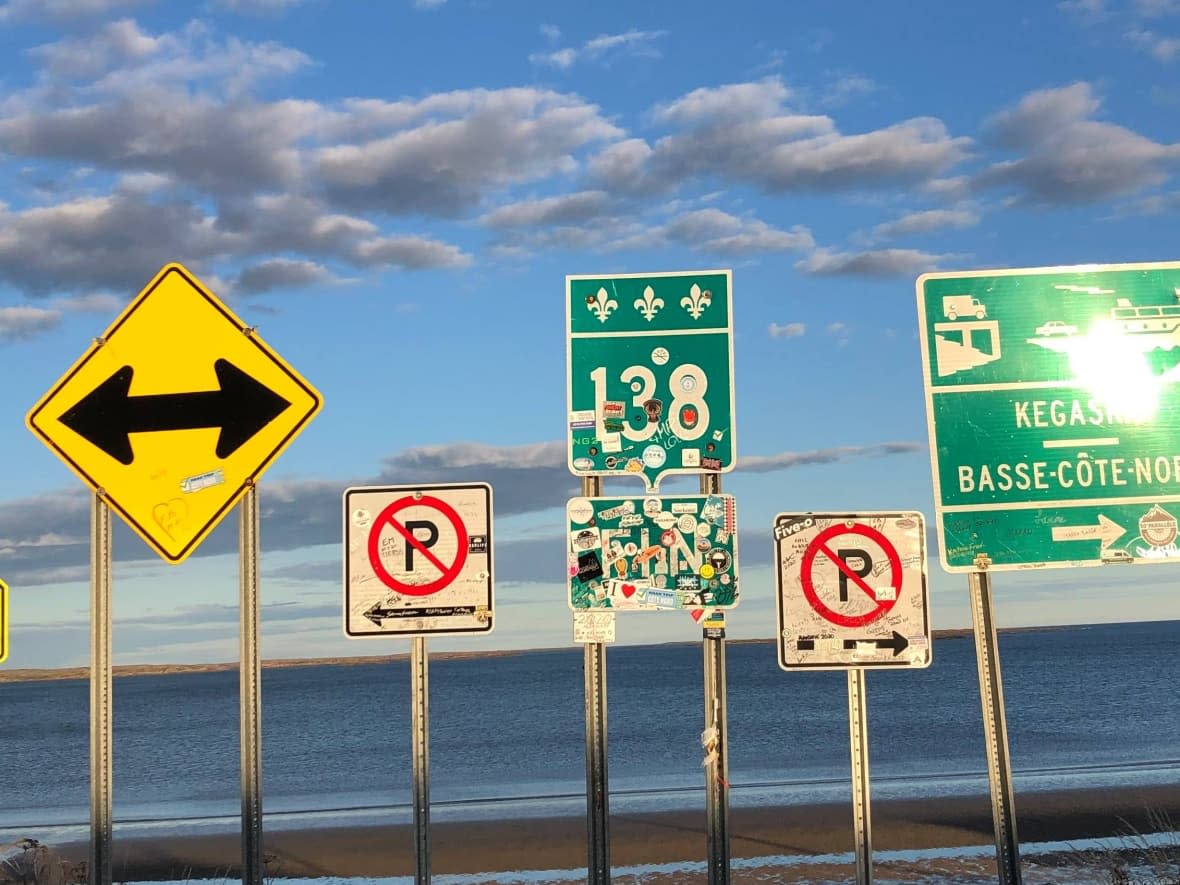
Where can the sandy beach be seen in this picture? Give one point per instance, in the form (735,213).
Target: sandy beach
(638,839)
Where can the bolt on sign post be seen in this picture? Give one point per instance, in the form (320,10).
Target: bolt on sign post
(650,374)
(1053,404)
(852,595)
(418,563)
(170,418)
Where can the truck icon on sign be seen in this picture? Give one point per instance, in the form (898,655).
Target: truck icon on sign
(955,306)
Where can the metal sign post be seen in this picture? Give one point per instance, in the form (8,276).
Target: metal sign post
(597,789)
(717,768)
(420,728)
(249,690)
(995,728)
(858,734)
(99,868)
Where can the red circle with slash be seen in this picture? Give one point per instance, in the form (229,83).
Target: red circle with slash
(819,545)
(449,572)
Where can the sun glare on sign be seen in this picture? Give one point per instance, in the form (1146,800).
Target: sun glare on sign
(1113,367)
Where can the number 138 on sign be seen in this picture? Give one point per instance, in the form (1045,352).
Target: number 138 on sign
(650,375)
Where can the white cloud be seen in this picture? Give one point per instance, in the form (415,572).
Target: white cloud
(62,10)
(788,330)
(925,222)
(1067,157)
(506,137)
(872,263)
(743,133)
(429,4)
(280,273)
(26,321)
(718,232)
(257,7)
(788,460)
(1162,49)
(563,209)
(632,43)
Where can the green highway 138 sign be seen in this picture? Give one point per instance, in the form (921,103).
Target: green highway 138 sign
(650,374)
(1053,398)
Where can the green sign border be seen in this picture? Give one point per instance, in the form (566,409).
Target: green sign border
(695,324)
(1016,533)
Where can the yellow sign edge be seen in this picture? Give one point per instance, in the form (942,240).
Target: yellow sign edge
(3,622)
(217,304)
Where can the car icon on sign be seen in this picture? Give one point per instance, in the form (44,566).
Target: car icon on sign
(1056,327)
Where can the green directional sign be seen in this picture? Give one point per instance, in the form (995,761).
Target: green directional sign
(650,374)
(1053,398)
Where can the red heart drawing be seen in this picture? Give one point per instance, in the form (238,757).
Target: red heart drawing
(628,590)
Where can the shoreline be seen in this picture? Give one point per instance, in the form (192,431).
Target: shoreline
(559,843)
(119,671)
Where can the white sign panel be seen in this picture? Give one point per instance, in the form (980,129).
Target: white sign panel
(418,560)
(594,626)
(852,591)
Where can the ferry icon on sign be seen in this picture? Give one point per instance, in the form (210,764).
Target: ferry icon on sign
(965,344)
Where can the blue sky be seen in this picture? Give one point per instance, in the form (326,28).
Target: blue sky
(393,194)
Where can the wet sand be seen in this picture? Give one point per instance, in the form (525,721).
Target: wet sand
(665,837)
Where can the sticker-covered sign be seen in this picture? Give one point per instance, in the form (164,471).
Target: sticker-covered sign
(418,560)
(650,374)
(1053,397)
(852,591)
(655,553)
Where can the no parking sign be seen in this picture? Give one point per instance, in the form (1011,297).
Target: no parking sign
(418,560)
(852,590)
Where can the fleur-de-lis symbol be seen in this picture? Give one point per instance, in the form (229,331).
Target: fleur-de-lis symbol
(601,305)
(696,301)
(649,305)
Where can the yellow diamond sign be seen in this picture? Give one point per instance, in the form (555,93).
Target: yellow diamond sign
(174,412)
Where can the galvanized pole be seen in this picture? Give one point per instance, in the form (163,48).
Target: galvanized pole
(995,728)
(858,733)
(717,771)
(99,868)
(597,791)
(249,689)
(420,726)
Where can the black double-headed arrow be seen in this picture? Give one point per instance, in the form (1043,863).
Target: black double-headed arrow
(897,642)
(109,414)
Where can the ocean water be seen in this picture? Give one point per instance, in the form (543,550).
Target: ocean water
(1086,706)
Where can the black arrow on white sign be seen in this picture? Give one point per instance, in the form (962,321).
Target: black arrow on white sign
(897,642)
(239,408)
